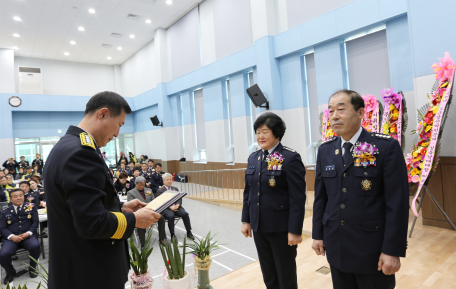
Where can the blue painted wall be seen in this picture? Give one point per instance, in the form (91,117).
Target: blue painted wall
(141,118)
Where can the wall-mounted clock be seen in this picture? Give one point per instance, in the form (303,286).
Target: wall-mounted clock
(15,101)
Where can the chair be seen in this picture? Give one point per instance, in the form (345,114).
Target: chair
(135,233)
(19,252)
(3,205)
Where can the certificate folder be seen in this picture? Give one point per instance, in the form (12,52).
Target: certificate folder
(165,200)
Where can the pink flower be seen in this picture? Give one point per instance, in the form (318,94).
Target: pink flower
(326,113)
(445,68)
(390,97)
(409,158)
(415,178)
(409,178)
(370,102)
(416,164)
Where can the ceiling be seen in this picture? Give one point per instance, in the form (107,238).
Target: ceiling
(48,26)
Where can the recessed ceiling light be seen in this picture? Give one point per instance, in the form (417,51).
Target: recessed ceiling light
(17,18)
(16,35)
(91,10)
(15,48)
(80,28)
(132,36)
(169,2)
(66,53)
(72,42)
(148,21)
(109,57)
(119,48)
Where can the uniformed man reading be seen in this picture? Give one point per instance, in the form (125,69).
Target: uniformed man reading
(88,225)
(361,208)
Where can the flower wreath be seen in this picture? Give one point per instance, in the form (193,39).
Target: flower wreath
(325,126)
(424,158)
(372,111)
(395,118)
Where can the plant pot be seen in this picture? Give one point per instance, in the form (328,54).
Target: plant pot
(183,283)
(142,282)
(203,280)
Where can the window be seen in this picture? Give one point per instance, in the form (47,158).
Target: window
(29,147)
(181,123)
(230,158)
(310,81)
(123,143)
(200,125)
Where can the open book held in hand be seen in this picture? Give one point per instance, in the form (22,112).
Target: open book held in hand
(165,200)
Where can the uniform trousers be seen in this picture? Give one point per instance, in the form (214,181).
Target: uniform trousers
(277,260)
(170,215)
(161,232)
(344,280)
(8,249)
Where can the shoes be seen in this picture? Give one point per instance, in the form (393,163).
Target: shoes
(173,236)
(9,278)
(162,242)
(44,235)
(190,235)
(33,274)
(14,258)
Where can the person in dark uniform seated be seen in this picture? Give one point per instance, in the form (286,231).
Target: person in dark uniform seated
(131,169)
(175,210)
(28,173)
(135,175)
(29,196)
(122,168)
(3,190)
(36,170)
(274,203)
(142,159)
(38,162)
(146,195)
(20,174)
(147,175)
(360,213)
(10,181)
(151,166)
(18,224)
(23,163)
(36,192)
(122,185)
(157,177)
(10,164)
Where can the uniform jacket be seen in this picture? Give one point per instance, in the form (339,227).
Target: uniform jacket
(3,196)
(135,194)
(118,185)
(19,224)
(356,224)
(38,162)
(32,197)
(87,229)
(157,181)
(23,164)
(164,189)
(280,208)
(148,176)
(9,166)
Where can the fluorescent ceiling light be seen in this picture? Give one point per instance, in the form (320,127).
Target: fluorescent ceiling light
(17,18)
(15,48)
(109,57)
(148,21)
(169,2)
(132,36)
(16,35)
(119,48)
(80,28)
(66,53)
(364,33)
(91,10)
(72,42)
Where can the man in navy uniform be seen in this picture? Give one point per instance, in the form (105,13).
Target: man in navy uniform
(147,175)
(122,168)
(18,224)
(130,169)
(38,162)
(10,164)
(274,203)
(157,177)
(23,163)
(361,208)
(88,224)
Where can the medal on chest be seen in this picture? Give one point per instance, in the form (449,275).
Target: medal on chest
(29,216)
(366,185)
(364,154)
(274,161)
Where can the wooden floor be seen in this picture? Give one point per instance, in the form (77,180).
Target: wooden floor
(430,263)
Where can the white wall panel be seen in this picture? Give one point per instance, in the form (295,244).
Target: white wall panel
(148,143)
(241,138)
(7,71)
(184,40)
(233,26)
(138,73)
(216,140)
(206,14)
(295,135)
(6,149)
(70,78)
(190,142)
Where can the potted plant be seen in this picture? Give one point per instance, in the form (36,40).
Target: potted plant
(202,249)
(141,279)
(177,277)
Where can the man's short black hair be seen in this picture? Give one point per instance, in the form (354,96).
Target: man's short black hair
(135,169)
(150,161)
(2,177)
(273,122)
(15,190)
(24,182)
(132,162)
(22,157)
(111,100)
(355,99)
(158,165)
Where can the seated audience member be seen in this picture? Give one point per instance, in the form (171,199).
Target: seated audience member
(23,163)
(4,190)
(157,178)
(6,172)
(176,209)
(10,164)
(135,175)
(145,195)
(122,185)
(150,164)
(130,169)
(122,158)
(132,157)
(20,174)
(30,197)
(146,174)
(142,160)
(28,173)
(37,192)
(37,178)
(37,170)
(2,173)
(10,181)
(4,183)
(38,162)
(18,226)
(122,168)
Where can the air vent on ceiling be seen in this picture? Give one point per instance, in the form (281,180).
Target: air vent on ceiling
(133,17)
(104,45)
(117,35)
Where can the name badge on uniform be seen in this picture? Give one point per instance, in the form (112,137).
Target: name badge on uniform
(251,167)
(330,168)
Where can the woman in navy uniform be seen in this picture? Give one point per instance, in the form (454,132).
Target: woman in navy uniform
(88,225)
(274,203)
(360,213)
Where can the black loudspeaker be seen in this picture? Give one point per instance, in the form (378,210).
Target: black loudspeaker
(257,96)
(155,121)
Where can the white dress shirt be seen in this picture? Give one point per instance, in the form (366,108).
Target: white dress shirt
(353,140)
(15,209)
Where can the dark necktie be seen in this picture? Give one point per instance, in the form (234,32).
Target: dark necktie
(347,152)
(143,194)
(265,156)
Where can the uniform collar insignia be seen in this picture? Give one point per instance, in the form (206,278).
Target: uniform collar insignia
(87,140)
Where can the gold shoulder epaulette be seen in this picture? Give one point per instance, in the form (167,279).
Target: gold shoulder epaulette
(86,140)
(329,140)
(380,135)
(291,150)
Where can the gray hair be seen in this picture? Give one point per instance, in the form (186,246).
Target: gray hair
(165,175)
(140,179)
